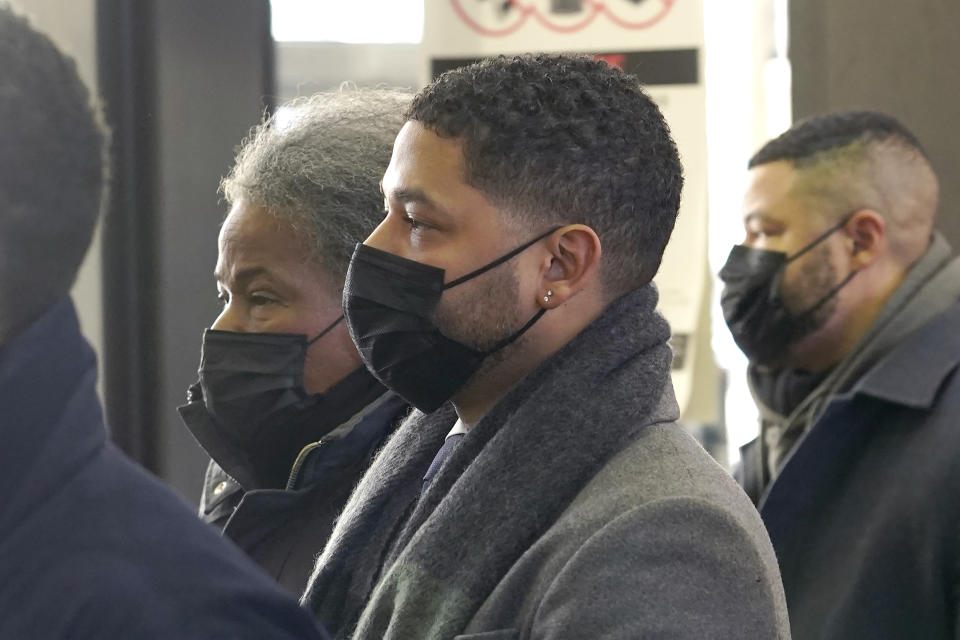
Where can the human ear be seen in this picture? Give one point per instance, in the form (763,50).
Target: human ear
(573,263)
(866,236)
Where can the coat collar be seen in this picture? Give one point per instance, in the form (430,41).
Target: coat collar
(912,373)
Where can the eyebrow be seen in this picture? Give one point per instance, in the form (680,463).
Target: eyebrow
(245,274)
(759,216)
(415,194)
(412,194)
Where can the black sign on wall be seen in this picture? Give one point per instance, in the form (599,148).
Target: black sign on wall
(654,67)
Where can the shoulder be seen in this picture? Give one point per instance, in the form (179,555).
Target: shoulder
(920,367)
(665,462)
(149,568)
(664,465)
(663,520)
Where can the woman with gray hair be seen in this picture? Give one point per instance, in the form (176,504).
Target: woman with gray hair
(283,405)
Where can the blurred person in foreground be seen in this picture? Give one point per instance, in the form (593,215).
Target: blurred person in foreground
(543,489)
(91,546)
(845,300)
(288,413)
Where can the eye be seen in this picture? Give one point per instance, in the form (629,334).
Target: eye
(413,222)
(261,300)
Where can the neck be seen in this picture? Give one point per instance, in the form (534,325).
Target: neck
(500,374)
(491,383)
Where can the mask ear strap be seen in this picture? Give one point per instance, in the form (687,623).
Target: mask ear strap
(514,337)
(823,236)
(326,331)
(499,261)
(830,294)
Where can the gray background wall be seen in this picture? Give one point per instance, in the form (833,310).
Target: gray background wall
(899,56)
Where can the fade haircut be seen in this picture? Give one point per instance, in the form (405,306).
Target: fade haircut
(52,148)
(862,159)
(317,163)
(561,139)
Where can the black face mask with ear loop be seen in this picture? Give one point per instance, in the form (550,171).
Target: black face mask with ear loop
(389,303)
(250,410)
(753,308)
(254,381)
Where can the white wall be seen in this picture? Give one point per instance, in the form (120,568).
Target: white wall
(748,102)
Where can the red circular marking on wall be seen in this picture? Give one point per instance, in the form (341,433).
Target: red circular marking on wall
(570,28)
(666,5)
(486,31)
(525,11)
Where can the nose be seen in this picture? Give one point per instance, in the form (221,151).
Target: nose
(380,238)
(228,320)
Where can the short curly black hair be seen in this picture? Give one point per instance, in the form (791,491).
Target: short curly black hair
(812,136)
(51,172)
(564,139)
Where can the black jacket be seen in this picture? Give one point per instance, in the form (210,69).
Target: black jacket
(91,546)
(283,528)
(865,512)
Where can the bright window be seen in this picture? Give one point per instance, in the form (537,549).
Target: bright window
(354,21)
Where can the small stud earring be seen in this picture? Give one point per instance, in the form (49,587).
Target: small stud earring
(546,298)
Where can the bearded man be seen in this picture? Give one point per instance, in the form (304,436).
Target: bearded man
(845,301)
(543,489)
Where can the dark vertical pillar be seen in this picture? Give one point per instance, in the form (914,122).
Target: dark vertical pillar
(191,79)
(125,61)
(895,56)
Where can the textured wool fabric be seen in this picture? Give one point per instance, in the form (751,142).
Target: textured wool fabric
(399,567)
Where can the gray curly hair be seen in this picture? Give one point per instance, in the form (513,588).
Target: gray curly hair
(317,163)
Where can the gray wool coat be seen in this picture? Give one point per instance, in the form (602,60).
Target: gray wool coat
(577,508)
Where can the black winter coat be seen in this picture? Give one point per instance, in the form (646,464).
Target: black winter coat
(92,546)
(283,529)
(865,513)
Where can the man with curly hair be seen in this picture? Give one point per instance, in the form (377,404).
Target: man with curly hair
(284,406)
(91,545)
(543,488)
(844,298)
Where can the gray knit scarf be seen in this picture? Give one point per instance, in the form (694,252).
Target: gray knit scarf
(399,567)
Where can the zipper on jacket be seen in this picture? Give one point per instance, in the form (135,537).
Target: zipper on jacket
(298,462)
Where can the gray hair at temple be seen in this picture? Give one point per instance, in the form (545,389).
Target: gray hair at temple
(317,164)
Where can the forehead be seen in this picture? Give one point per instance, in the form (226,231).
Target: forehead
(422,160)
(251,236)
(772,192)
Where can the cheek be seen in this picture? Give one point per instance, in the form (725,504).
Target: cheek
(279,319)
(481,314)
(809,279)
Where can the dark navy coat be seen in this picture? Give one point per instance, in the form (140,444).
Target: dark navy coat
(91,546)
(284,530)
(865,513)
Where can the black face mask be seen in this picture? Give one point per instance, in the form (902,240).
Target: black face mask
(253,381)
(249,409)
(389,303)
(753,308)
